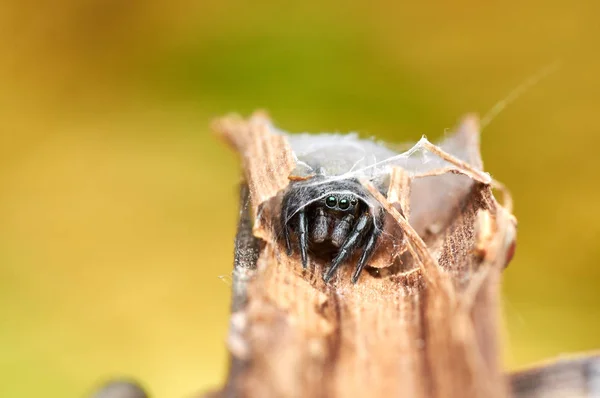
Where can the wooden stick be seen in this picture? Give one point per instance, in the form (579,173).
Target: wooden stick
(424,328)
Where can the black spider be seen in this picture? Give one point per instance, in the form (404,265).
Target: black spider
(335,217)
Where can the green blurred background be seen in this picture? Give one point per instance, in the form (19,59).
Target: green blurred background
(118,206)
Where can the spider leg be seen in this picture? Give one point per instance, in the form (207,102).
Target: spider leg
(303,237)
(352,242)
(369,247)
(285,220)
(288,243)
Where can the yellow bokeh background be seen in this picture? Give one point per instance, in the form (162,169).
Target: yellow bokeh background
(118,205)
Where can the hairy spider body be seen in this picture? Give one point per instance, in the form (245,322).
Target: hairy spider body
(331,217)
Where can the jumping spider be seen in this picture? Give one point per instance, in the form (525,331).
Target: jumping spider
(335,217)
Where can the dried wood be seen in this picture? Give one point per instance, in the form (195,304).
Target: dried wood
(567,377)
(424,325)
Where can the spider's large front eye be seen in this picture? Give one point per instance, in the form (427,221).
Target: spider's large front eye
(331,201)
(344,204)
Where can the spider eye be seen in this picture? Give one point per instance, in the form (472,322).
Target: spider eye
(331,201)
(344,204)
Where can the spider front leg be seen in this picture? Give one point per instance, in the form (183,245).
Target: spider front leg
(369,247)
(286,235)
(303,237)
(354,239)
(301,231)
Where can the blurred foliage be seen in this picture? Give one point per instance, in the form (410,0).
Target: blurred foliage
(118,206)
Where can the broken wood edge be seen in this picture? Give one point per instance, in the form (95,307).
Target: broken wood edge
(470,171)
(264,180)
(246,253)
(416,246)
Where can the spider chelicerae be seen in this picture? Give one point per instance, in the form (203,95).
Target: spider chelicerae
(331,217)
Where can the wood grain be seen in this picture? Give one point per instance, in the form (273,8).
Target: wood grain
(414,329)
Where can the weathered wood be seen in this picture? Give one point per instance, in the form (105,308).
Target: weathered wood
(567,377)
(244,266)
(425,326)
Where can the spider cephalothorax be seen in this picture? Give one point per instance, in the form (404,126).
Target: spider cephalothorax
(335,216)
